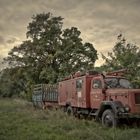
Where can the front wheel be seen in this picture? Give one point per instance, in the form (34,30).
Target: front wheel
(108,118)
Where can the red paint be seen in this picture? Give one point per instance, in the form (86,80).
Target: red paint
(90,96)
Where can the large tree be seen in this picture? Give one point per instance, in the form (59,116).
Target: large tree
(51,52)
(124,56)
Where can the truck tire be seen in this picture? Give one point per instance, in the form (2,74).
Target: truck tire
(69,110)
(108,119)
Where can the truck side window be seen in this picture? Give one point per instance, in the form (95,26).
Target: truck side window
(79,84)
(97,84)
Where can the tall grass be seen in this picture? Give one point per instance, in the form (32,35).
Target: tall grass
(20,121)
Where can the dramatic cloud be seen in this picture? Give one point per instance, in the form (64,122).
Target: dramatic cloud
(12,40)
(100,21)
(2,41)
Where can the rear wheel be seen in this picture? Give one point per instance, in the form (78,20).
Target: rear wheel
(69,110)
(108,118)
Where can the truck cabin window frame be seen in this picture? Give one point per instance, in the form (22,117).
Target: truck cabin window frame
(79,84)
(113,82)
(97,84)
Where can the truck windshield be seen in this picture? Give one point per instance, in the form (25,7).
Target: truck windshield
(112,82)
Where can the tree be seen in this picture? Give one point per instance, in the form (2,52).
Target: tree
(124,55)
(51,52)
(11,82)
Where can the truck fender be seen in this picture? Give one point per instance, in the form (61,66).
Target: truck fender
(113,105)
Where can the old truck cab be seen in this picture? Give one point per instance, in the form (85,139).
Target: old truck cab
(115,88)
(120,89)
(114,98)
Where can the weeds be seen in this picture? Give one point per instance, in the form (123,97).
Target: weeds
(20,121)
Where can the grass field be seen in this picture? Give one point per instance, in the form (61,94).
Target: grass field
(20,121)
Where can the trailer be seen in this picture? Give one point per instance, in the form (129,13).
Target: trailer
(45,96)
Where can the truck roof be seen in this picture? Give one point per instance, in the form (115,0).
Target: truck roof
(117,74)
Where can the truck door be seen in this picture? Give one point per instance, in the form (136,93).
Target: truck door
(79,89)
(96,95)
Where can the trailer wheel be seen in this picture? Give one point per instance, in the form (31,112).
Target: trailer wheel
(69,110)
(108,118)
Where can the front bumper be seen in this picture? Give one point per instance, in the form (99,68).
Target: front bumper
(128,115)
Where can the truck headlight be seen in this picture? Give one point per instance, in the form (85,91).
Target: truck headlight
(127,108)
(121,109)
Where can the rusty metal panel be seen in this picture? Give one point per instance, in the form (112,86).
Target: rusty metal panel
(75,91)
(50,93)
(44,93)
(37,100)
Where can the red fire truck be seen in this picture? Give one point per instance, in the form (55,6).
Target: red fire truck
(109,97)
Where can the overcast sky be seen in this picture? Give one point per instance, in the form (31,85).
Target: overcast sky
(100,21)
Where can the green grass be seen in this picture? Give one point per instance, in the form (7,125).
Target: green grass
(20,121)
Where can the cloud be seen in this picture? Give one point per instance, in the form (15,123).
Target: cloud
(100,21)
(2,41)
(12,40)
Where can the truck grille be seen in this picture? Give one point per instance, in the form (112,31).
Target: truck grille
(137,98)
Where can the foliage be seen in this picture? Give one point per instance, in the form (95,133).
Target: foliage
(13,82)
(124,56)
(49,52)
